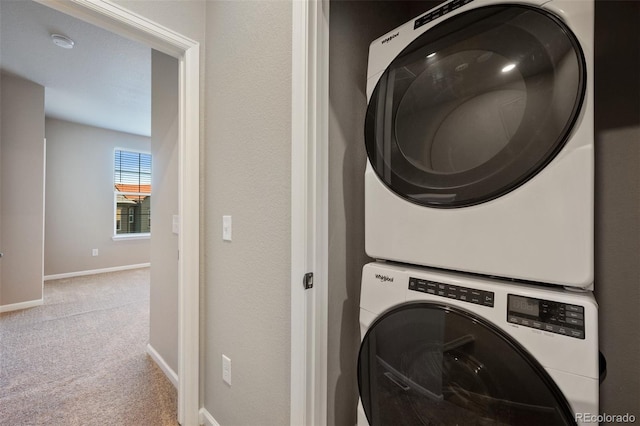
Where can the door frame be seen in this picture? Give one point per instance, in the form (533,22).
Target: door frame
(121,21)
(309,191)
(309,210)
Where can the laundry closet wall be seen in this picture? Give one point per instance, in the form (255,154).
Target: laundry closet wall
(617,213)
(353,25)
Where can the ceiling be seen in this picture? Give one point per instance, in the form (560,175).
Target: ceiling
(104,81)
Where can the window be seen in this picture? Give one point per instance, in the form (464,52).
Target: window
(132,189)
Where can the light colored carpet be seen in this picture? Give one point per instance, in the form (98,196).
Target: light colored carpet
(80,359)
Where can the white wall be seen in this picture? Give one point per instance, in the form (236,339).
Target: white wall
(21,190)
(163,334)
(79,199)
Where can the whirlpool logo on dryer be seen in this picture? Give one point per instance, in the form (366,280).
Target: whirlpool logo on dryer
(391,37)
(384,278)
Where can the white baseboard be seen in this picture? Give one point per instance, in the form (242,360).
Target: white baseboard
(168,371)
(21,305)
(207,419)
(95,271)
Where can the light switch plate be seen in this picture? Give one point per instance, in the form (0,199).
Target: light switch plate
(226,369)
(175,224)
(226,228)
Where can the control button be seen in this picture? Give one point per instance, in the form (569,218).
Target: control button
(441,286)
(537,324)
(550,327)
(452,291)
(431,290)
(441,293)
(577,315)
(431,285)
(513,320)
(412,283)
(463,297)
(421,286)
(525,322)
(562,330)
(488,298)
(574,321)
(476,297)
(574,308)
(577,334)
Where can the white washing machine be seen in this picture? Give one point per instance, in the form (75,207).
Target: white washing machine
(479,136)
(443,348)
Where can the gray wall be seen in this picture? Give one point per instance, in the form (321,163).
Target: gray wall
(248,174)
(353,25)
(617,131)
(79,199)
(246,171)
(21,191)
(163,336)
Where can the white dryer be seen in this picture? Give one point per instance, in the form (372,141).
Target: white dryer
(447,348)
(479,136)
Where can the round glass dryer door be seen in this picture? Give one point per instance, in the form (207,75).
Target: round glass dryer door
(475,106)
(431,364)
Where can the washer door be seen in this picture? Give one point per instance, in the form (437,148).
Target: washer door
(432,364)
(475,106)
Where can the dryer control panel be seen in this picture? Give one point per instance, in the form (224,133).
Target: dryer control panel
(546,315)
(469,295)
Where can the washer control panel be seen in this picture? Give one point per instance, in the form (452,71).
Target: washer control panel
(469,295)
(546,315)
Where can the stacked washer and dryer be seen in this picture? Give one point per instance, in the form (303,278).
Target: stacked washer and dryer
(479,210)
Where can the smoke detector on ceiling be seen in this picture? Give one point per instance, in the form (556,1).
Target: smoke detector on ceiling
(62,41)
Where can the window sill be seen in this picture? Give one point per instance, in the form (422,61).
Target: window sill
(126,237)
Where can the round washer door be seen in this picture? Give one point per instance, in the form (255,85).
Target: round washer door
(475,106)
(433,364)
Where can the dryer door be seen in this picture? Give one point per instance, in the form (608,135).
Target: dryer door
(428,363)
(475,106)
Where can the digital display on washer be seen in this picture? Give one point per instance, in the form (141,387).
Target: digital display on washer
(524,305)
(546,315)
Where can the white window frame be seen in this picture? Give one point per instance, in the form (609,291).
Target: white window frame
(127,236)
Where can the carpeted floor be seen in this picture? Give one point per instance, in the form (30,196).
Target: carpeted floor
(80,359)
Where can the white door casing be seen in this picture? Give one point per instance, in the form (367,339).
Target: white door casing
(309,210)
(119,20)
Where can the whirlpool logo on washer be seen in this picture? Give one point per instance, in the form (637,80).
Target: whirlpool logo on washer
(384,278)
(391,37)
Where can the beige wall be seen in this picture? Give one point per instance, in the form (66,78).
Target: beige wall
(245,156)
(248,156)
(163,335)
(21,191)
(79,199)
